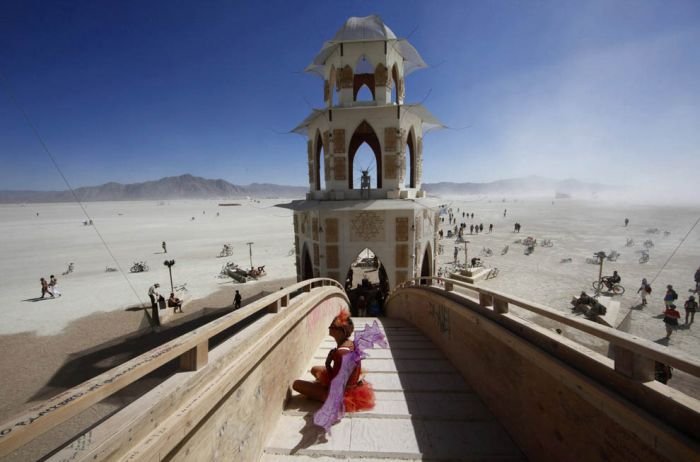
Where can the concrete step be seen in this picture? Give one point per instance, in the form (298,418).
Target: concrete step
(424,411)
(359,437)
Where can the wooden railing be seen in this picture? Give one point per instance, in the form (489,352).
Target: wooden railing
(634,356)
(191,349)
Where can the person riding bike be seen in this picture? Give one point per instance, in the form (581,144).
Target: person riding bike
(610,281)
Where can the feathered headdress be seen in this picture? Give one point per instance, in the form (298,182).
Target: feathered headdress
(343,321)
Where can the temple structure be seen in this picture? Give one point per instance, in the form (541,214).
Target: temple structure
(350,208)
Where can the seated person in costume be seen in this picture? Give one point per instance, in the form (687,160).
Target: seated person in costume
(359,395)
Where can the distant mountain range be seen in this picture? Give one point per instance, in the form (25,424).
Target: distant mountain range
(174,187)
(192,187)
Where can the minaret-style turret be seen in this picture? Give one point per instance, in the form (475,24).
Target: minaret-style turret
(380,212)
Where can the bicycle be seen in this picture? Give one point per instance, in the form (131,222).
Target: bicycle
(615,289)
(139,267)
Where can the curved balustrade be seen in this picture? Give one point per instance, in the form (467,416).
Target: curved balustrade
(628,348)
(540,383)
(191,349)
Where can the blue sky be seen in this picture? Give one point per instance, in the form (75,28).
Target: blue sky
(132,91)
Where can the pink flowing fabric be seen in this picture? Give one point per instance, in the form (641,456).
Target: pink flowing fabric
(333,408)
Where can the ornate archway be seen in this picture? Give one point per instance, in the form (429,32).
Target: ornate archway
(426,269)
(307,269)
(367,279)
(364,133)
(411,163)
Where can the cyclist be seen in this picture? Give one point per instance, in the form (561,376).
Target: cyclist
(610,281)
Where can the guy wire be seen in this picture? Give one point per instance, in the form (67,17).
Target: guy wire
(675,250)
(65,180)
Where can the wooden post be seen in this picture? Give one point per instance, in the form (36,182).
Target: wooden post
(500,306)
(284,301)
(485,300)
(633,365)
(196,358)
(273,307)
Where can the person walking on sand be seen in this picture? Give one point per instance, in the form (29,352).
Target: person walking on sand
(671,296)
(165,248)
(154,296)
(45,288)
(237,300)
(671,317)
(697,281)
(644,290)
(691,306)
(53,283)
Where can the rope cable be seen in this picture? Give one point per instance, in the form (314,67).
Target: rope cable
(36,133)
(675,250)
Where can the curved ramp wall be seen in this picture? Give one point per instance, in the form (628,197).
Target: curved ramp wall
(529,377)
(226,409)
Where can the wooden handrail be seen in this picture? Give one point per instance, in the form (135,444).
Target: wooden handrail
(638,345)
(190,348)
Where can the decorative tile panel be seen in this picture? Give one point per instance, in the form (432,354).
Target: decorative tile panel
(316,258)
(331,229)
(390,139)
(367,226)
(338,141)
(346,76)
(390,170)
(339,168)
(401,229)
(314,228)
(401,255)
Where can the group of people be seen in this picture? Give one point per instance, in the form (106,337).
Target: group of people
(671,315)
(157,300)
(49,287)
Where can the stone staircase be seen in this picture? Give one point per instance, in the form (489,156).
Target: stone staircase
(424,411)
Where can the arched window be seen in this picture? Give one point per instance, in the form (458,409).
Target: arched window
(396,82)
(410,178)
(363,80)
(319,163)
(427,265)
(307,269)
(364,133)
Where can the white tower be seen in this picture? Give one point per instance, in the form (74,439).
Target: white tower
(345,213)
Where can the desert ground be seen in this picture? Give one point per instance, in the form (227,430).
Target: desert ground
(40,337)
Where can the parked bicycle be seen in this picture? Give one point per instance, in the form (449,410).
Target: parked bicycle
(139,267)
